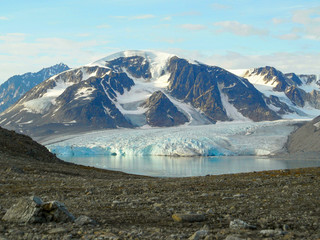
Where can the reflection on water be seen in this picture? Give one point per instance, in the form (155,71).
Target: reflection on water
(194,166)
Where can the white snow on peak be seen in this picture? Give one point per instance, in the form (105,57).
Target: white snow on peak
(240,72)
(158,60)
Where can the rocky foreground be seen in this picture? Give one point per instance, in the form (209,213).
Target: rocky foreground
(113,205)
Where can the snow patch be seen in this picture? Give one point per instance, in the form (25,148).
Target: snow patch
(84,93)
(42,104)
(232,112)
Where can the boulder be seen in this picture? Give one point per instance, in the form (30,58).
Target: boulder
(34,210)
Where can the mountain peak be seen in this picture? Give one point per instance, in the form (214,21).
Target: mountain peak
(150,56)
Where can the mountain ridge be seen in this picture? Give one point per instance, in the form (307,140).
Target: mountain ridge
(17,85)
(113,92)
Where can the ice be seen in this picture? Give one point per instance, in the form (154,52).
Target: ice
(222,139)
(42,104)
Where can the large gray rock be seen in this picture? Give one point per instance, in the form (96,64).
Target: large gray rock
(34,210)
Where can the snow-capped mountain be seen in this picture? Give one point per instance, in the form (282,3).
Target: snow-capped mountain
(146,88)
(15,87)
(285,93)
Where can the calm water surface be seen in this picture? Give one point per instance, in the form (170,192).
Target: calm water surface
(193,166)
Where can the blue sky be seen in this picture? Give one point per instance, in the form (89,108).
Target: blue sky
(231,34)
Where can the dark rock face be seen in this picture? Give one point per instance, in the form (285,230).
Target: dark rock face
(137,66)
(296,95)
(314,99)
(294,78)
(161,111)
(274,76)
(306,138)
(275,101)
(16,86)
(194,84)
(98,109)
(309,78)
(202,85)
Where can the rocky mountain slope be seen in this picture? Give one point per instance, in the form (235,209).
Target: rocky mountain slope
(306,138)
(285,93)
(145,88)
(18,145)
(15,87)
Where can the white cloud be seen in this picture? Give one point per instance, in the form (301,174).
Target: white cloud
(168,18)
(193,27)
(289,36)
(277,21)
(103,26)
(239,29)
(19,55)
(310,21)
(4,18)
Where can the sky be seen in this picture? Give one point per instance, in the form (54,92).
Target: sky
(231,34)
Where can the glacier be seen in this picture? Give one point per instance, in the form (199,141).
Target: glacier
(221,139)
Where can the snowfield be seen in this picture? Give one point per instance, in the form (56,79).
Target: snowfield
(221,139)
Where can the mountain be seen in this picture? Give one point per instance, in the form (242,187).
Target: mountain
(306,138)
(149,89)
(287,94)
(15,87)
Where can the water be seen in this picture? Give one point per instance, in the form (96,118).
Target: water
(193,166)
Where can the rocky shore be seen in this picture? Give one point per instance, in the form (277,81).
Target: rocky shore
(113,205)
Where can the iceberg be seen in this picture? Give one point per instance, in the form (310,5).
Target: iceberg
(221,139)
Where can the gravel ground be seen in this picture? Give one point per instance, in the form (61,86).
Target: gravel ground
(271,205)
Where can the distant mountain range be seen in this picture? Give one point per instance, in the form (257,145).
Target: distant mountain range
(151,89)
(15,87)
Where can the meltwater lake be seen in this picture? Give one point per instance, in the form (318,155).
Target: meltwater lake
(159,166)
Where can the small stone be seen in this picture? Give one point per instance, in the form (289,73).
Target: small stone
(285,227)
(188,217)
(84,220)
(210,211)
(198,235)
(239,224)
(272,232)
(15,170)
(239,195)
(57,230)
(234,237)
